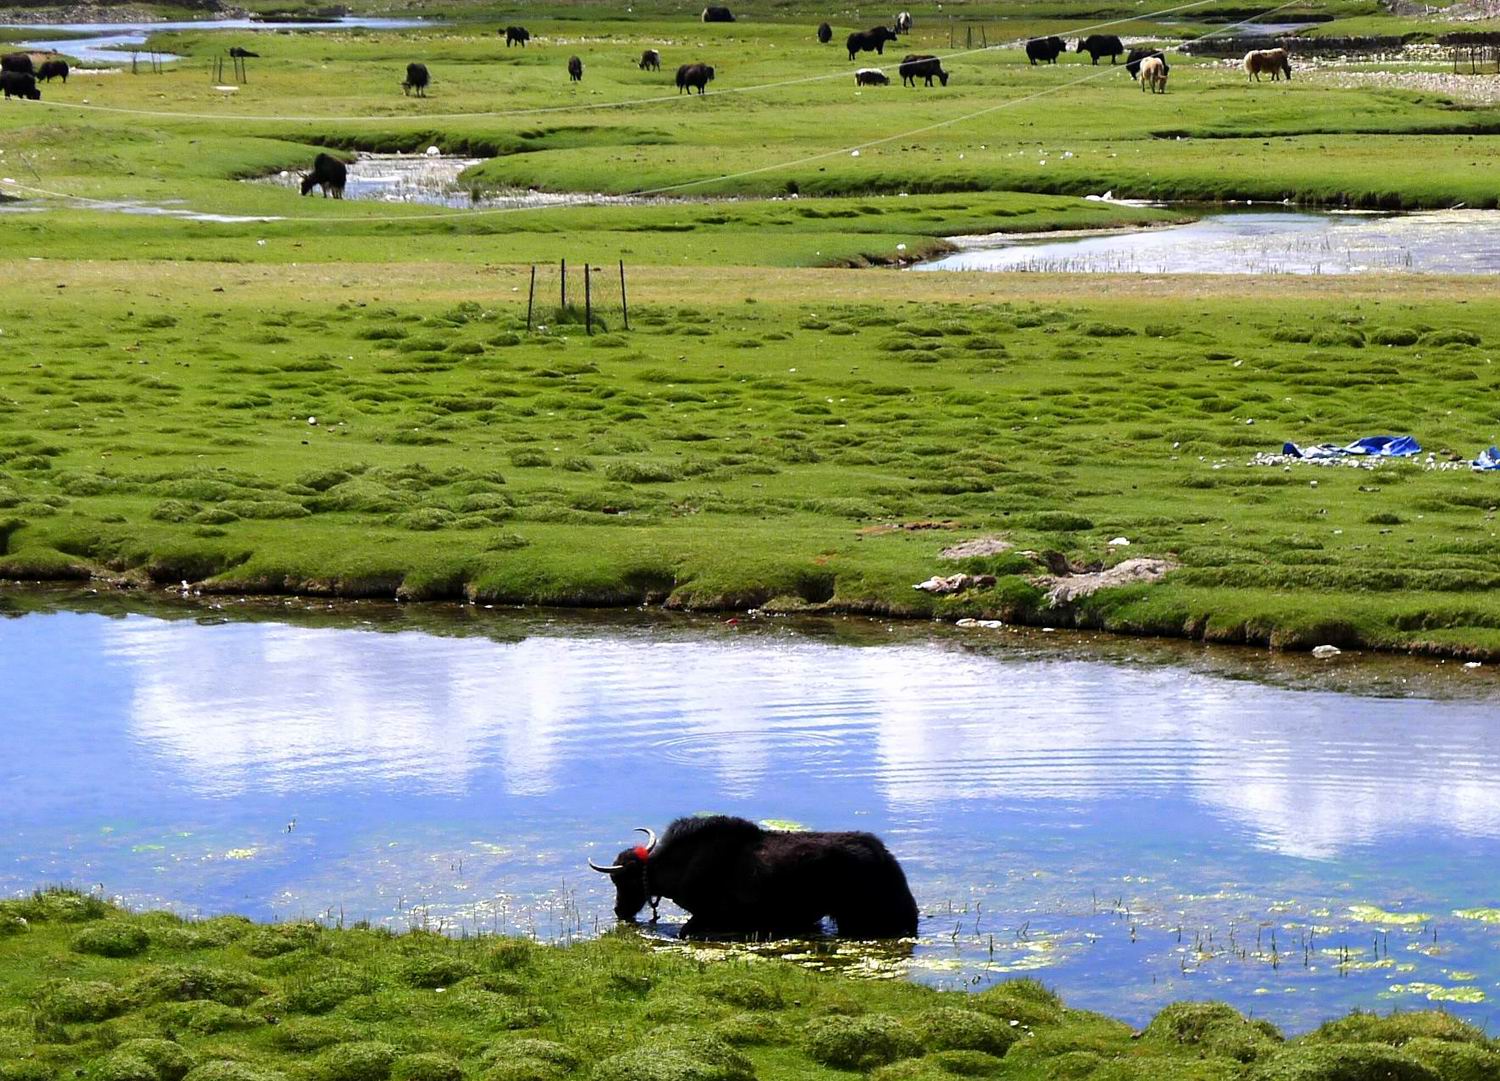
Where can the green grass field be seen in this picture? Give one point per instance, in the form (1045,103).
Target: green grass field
(780,417)
(90,991)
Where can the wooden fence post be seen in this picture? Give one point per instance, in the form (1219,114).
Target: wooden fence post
(530,298)
(624,306)
(588,302)
(564,283)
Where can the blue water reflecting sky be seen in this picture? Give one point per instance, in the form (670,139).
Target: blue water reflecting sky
(1123,832)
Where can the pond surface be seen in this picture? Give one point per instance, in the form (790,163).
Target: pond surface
(105,42)
(1257,242)
(1131,834)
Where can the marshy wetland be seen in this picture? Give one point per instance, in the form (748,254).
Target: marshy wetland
(231,391)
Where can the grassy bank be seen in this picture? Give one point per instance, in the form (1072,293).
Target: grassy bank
(763,434)
(758,450)
(88,990)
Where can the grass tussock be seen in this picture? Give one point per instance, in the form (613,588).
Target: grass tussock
(221,1000)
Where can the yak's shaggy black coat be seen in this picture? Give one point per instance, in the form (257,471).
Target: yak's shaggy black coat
(736,878)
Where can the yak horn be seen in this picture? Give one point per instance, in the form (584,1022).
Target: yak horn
(604,870)
(650,838)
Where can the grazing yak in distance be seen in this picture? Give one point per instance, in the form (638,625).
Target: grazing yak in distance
(1258,61)
(327,173)
(920,66)
(1097,45)
(717,15)
(239,54)
(52,69)
(903,22)
(872,40)
(650,60)
(516,35)
(19,84)
(1046,49)
(871,77)
(1133,61)
(575,69)
(416,79)
(735,878)
(825,33)
(694,75)
(1154,74)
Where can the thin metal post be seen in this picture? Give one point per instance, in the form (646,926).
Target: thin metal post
(564,264)
(588,302)
(624,306)
(530,298)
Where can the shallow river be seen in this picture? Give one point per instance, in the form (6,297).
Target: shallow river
(1256,242)
(110,43)
(1131,833)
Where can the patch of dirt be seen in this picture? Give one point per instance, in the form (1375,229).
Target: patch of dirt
(979,546)
(897,527)
(1063,591)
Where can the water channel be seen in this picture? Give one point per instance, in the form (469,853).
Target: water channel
(110,43)
(1254,241)
(1133,829)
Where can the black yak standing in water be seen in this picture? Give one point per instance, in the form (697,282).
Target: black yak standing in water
(736,878)
(327,173)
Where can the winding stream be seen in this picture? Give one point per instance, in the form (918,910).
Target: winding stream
(110,43)
(1255,241)
(1133,833)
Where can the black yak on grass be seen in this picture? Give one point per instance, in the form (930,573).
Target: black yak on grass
(53,69)
(417,79)
(19,84)
(516,35)
(871,40)
(737,879)
(690,76)
(1046,49)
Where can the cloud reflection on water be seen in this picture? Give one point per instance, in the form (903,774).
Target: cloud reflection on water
(262,706)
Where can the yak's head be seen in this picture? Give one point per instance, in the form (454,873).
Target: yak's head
(309,182)
(1286,68)
(629,874)
(943,77)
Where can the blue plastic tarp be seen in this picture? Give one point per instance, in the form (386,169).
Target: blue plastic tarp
(1377,446)
(1487,460)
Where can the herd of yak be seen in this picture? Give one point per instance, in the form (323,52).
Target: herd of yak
(1149,66)
(20,72)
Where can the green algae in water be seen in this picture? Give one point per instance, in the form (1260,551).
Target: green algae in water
(1436,992)
(1376,914)
(1483,915)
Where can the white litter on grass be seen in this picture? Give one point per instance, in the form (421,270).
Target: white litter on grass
(1119,542)
(1324,652)
(1473,664)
